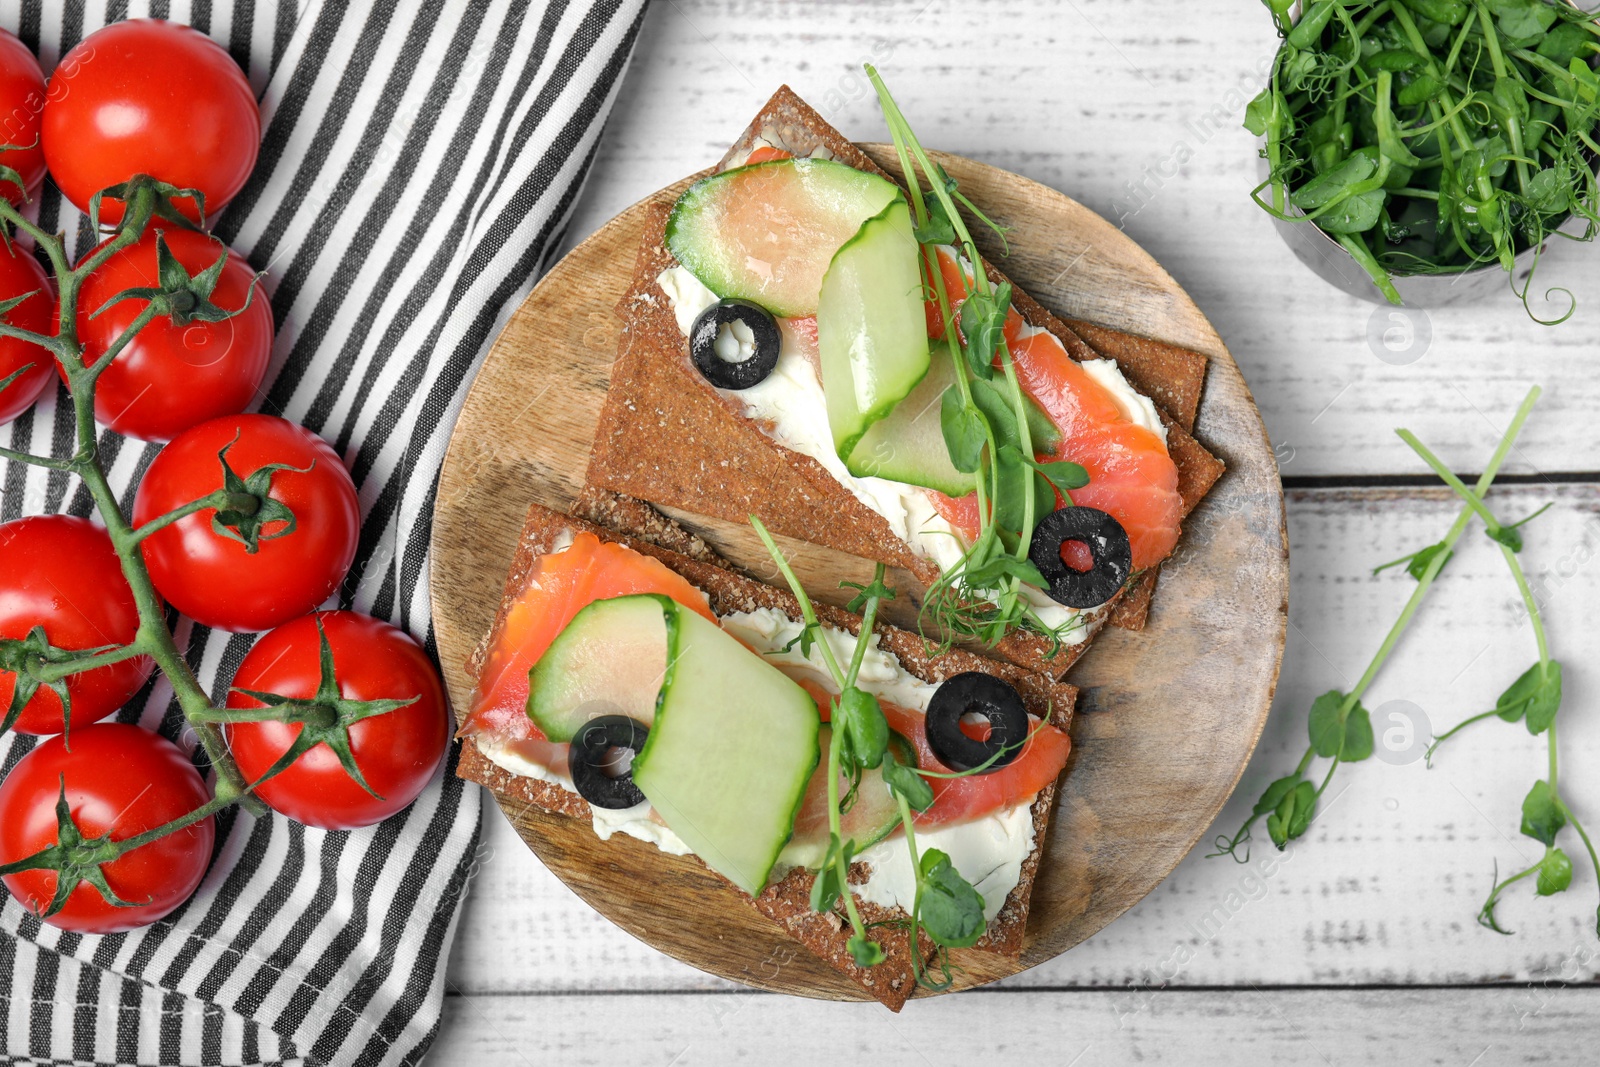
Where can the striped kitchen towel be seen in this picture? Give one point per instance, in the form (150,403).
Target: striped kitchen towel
(420,160)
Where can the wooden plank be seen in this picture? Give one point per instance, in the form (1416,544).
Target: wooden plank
(1137,117)
(1386,885)
(1211,1028)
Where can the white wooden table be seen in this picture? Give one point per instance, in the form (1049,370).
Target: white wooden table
(1361,946)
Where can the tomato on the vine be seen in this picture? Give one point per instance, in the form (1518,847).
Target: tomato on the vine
(172,377)
(62,573)
(152,97)
(204,568)
(120,780)
(20,273)
(397,751)
(21,102)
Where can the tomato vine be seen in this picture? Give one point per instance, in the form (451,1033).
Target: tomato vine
(242,507)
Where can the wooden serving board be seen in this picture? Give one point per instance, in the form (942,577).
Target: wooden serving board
(1168,716)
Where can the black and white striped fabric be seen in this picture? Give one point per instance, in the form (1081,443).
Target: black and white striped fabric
(420,160)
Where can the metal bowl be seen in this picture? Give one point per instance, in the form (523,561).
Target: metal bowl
(1333,264)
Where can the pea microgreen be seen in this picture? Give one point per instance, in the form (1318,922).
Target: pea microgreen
(946,906)
(991,428)
(1432,136)
(1341,730)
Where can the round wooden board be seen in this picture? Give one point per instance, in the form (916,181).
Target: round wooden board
(1167,718)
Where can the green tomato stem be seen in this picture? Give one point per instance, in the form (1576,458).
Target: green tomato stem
(153,638)
(54,672)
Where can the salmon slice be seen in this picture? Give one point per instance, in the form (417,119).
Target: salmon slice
(1131,476)
(559,585)
(957,800)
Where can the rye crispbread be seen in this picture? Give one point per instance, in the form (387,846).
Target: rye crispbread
(786,901)
(704,456)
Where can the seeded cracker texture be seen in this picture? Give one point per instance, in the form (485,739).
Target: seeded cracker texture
(787,901)
(702,455)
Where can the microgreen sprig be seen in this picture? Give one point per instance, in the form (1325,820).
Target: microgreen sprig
(1534,700)
(1340,728)
(946,905)
(985,417)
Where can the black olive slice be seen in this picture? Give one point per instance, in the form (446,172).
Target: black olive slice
(1108,547)
(717,327)
(591,764)
(984,695)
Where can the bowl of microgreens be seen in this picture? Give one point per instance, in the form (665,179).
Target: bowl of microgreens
(1419,151)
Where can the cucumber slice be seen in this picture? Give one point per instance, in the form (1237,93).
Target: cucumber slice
(873,816)
(610,660)
(872,332)
(907,445)
(733,746)
(767,232)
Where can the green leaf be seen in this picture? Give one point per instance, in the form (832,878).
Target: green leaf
(1448,12)
(1063,474)
(1260,112)
(1293,814)
(938,229)
(1563,43)
(1275,793)
(965,433)
(873,590)
(1357,744)
(859,720)
(1309,29)
(998,409)
(1332,183)
(1542,817)
(867,953)
(1534,697)
(1298,68)
(1419,562)
(1522,20)
(949,908)
(1354,214)
(990,573)
(1012,482)
(1395,59)
(1419,90)
(905,782)
(1509,536)
(1326,724)
(1548,190)
(1488,160)
(983,321)
(829,886)
(1044,434)
(806,639)
(1555,873)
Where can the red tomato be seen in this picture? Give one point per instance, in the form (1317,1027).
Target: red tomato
(20,273)
(61,573)
(397,751)
(21,102)
(213,578)
(121,781)
(150,97)
(171,377)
